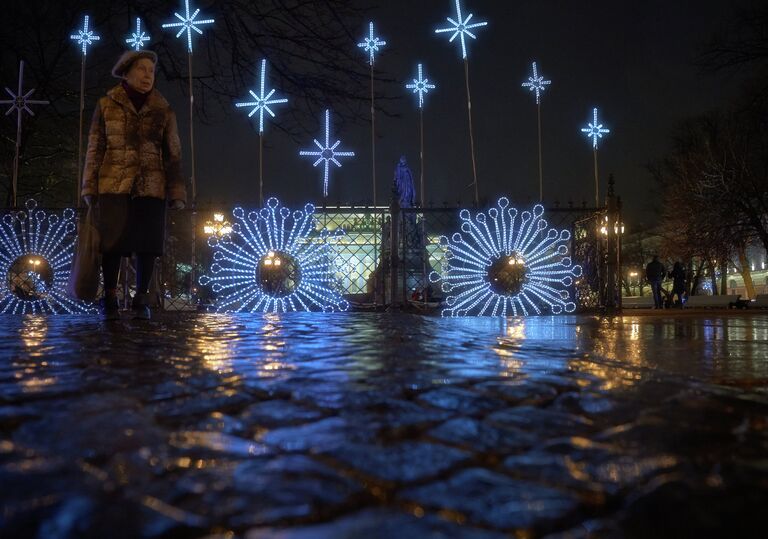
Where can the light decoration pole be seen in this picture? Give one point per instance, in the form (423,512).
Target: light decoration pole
(19,102)
(137,39)
(595,131)
(326,153)
(189,23)
(260,104)
(274,261)
(36,251)
(503,262)
(372,45)
(461,28)
(84,37)
(537,84)
(421,87)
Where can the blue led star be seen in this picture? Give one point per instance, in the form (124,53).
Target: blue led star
(327,153)
(461,27)
(85,37)
(595,130)
(421,86)
(266,243)
(536,83)
(513,242)
(188,23)
(262,102)
(137,39)
(371,44)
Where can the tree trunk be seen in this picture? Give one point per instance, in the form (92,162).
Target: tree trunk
(724,276)
(746,272)
(691,281)
(713,278)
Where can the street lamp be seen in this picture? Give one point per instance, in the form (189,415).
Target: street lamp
(618,227)
(218,227)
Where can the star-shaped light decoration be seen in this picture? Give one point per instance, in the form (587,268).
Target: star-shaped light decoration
(137,39)
(536,83)
(595,130)
(262,102)
(20,101)
(421,86)
(461,27)
(188,24)
(327,153)
(371,44)
(85,37)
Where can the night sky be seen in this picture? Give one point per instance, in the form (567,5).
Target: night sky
(635,61)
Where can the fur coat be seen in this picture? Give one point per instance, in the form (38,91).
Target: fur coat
(134,153)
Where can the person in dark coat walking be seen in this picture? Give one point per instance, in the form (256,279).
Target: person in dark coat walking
(655,273)
(132,172)
(678,282)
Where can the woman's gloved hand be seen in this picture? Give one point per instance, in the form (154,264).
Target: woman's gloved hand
(176,204)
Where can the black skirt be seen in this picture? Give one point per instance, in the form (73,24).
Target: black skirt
(131,225)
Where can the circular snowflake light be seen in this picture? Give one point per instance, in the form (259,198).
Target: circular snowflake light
(505,262)
(35,260)
(271,263)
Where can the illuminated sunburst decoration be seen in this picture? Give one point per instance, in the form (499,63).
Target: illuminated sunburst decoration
(273,261)
(35,260)
(505,262)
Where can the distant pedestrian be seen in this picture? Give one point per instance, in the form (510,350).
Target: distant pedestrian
(655,272)
(678,282)
(132,172)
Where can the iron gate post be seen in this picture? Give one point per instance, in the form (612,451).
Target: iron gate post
(612,235)
(394,262)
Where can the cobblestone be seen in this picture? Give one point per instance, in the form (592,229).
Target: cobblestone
(308,426)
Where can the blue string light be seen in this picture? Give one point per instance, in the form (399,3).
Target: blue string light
(268,236)
(371,44)
(85,37)
(188,24)
(421,86)
(327,153)
(502,234)
(262,102)
(595,130)
(460,28)
(137,39)
(28,241)
(536,83)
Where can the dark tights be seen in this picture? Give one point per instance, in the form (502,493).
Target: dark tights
(110,265)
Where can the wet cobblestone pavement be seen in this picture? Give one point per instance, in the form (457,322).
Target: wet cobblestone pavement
(341,426)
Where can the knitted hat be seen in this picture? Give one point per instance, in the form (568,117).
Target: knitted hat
(124,62)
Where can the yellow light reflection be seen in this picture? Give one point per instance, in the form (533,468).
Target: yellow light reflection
(33,333)
(32,375)
(214,343)
(509,345)
(615,354)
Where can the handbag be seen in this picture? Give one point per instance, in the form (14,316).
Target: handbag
(84,277)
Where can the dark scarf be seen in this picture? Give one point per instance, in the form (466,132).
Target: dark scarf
(137,98)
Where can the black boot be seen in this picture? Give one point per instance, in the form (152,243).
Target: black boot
(140,307)
(110,310)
